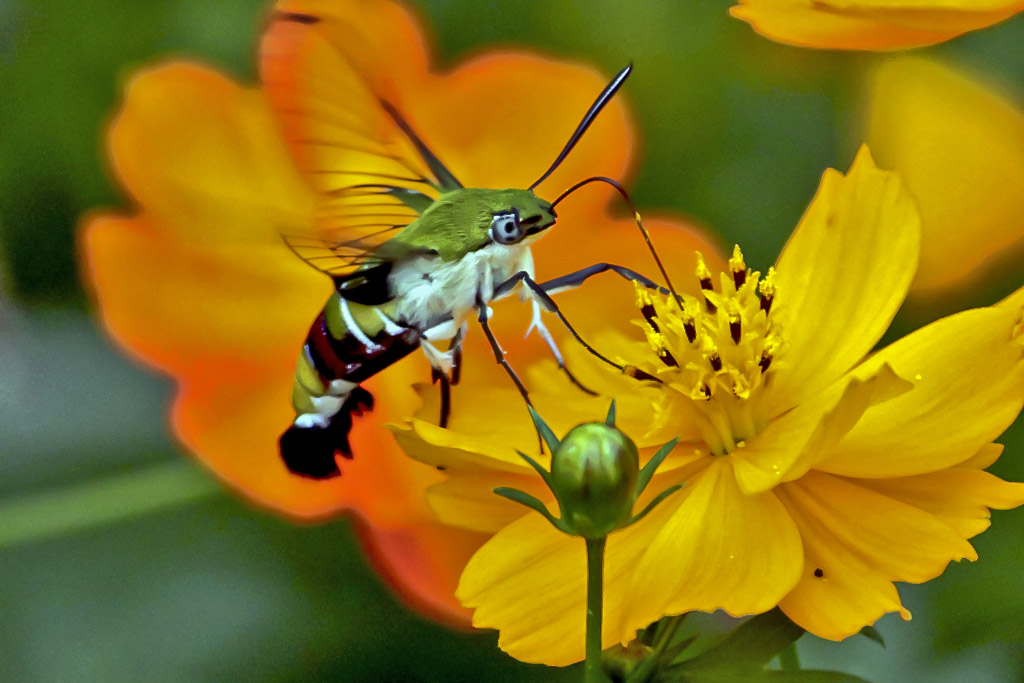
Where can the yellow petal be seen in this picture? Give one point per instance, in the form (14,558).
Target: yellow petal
(205,158)
(1014,302)
(848,595)
(529,581)
(861,541)
(841,277)
(448,450)
(721,549)
(985,457)
(959,146)
(969,387)
(961,497)
(793,442)
(467,499)
(870,24)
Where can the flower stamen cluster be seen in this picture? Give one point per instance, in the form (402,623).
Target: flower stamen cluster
(717,352)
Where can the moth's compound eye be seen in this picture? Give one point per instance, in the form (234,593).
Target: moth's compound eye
(505,228)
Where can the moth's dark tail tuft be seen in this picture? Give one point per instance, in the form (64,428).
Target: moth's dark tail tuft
(312,451)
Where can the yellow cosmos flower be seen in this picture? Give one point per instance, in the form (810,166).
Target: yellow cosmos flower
(196,282)
(870,24)
(959,145)
(816,473)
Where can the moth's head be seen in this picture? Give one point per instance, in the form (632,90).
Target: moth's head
(520,218)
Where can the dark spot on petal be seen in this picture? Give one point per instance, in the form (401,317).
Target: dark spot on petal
(819,573)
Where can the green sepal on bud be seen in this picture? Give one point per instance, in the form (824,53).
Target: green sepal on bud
(595,477)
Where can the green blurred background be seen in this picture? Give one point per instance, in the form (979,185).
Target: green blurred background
(735,133)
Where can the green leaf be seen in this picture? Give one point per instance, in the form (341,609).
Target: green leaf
(650,506)
(610,420)
(648,471)
(544,474)
(749,648)
(524,498)
(549,436)
(872,633)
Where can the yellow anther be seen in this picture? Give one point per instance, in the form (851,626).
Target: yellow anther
(707,346)
(703,272)
(643,295)
(732,307)
(736,263)
(655,340)
(767,286)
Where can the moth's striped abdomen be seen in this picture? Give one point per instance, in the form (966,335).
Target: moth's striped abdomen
(346,345)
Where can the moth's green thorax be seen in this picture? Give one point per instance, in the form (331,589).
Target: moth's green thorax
(459,222)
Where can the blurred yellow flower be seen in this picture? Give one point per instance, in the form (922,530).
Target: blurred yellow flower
(959,146)
(870,24)
(816,474)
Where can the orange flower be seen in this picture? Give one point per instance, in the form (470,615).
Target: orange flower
(198,284)
(870,24)
(959,146)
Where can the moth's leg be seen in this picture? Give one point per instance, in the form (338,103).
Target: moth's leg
(456,350)
(443,364)
(540,296)
(577,278)
(537,323)
(450,378)
(446,395)
(499,355)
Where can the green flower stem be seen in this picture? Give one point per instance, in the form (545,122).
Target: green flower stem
(789,660)
(105,501)
(595,609)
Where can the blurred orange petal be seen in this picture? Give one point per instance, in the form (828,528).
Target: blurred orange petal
(181,308)
(870,24)
(959,146)
(422,563)
(203,157)
(383,40)
(533,105)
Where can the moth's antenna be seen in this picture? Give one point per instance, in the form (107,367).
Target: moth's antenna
(639,223)
(595,109)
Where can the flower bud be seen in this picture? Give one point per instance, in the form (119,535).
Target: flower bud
(593,475)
